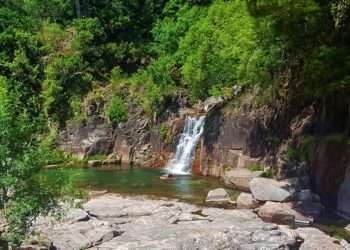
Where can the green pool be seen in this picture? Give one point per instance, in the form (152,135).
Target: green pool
(140,181)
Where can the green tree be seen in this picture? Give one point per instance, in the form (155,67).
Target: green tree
(23,195)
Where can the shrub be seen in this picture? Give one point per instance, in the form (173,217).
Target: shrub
(117,110)
(255,167)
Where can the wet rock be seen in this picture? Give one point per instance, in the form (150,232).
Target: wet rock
(279,212)
(240,178)
(94,163)
(247,201)
(264,189)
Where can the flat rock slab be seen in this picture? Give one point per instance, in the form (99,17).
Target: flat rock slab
(80,235)
(264,189)
(316,239)
(123,223)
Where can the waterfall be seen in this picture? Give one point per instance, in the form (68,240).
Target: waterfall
(182,162)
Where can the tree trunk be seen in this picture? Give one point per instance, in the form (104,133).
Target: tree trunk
(77,8)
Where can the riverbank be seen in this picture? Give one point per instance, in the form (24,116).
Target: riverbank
(111,222)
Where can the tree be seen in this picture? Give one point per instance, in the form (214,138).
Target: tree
(23,194)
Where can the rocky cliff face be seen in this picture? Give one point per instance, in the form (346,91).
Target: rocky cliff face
(306,140)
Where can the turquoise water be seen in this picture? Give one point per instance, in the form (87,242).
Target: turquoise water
(140,181)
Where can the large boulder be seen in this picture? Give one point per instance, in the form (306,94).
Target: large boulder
(247,201)
(264,189)
(240,178)
(279,212)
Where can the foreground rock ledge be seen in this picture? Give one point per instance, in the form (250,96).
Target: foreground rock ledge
(117,222)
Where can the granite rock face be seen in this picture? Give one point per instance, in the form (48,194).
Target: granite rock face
(120,223)
(264,189)
(138,223)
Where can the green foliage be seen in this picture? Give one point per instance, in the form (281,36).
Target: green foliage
(165,133)
(295,154)
(255,167)
(335,139)
(66,78)
(96,157)
(117,111)
(21,159)
(269,173)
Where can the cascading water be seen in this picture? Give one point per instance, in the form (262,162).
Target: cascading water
(182,162)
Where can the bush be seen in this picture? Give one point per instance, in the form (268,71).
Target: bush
(256,167)
(117,111)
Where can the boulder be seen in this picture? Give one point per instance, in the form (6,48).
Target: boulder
(219,197)
(279,213)
(264,189)
(94,163)
(240,178)
(246,201)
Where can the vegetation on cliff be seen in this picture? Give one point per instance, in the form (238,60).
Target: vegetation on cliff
(55,55)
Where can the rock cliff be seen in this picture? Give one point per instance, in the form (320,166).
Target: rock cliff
(291,139)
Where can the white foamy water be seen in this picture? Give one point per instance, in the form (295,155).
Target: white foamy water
(181,164)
